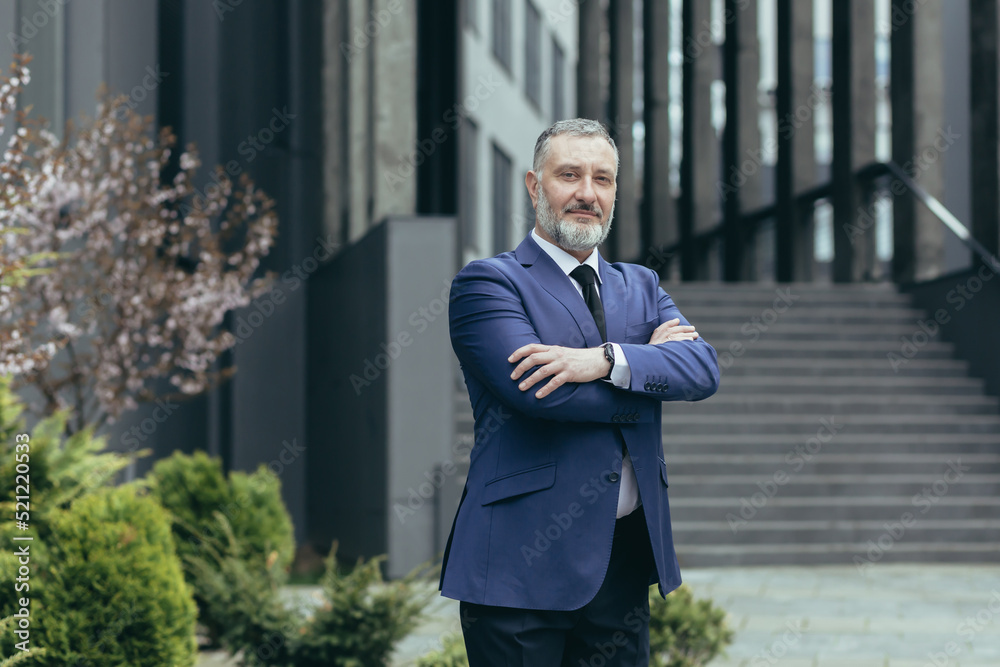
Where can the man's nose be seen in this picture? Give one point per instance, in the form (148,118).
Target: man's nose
(585,192)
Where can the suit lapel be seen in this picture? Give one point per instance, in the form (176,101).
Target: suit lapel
(547,273)
(614,301)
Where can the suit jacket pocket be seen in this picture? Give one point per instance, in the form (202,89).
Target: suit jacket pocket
(640,333)
(520,482)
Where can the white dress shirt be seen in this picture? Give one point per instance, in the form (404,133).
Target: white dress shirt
(621,374)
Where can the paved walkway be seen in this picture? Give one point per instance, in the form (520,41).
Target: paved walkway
(823,616)
(893,616)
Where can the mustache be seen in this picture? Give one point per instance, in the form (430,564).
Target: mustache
(583,207)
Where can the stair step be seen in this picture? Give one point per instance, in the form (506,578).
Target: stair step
(741,403)
(798,508)
(783,553)
(678,424)
(841,367)
(739,533)
(826,463)
(889,383)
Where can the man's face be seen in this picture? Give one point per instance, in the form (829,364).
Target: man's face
(574,195)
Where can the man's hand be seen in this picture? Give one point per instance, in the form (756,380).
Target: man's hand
(560,364)
(672,330)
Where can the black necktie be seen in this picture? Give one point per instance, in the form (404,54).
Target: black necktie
(586,276)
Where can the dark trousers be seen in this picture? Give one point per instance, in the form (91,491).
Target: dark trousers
(612,630)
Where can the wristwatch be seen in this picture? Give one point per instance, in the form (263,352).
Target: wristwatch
(609,354)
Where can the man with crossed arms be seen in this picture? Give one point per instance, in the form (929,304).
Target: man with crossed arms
(564,522)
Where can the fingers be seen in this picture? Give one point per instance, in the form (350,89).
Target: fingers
(671,330)
(530,356)
(525,350)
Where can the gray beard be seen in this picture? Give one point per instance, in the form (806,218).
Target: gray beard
(568,234)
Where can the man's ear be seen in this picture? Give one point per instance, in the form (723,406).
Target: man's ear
(531,182)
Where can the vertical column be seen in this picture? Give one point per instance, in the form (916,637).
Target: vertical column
(805,100)
(985,115)
(740,186)
(931,139)
(853,132)
(588,68)
(393,86)
(863,137)
(360,136)
(795,107)
(659,220)
(336,166)
(902,100)
(625,232)
(700,163)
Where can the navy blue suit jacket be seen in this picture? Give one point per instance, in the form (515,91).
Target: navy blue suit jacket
(535,524)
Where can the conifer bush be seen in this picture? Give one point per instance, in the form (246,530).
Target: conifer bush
(684,631)
(114,592)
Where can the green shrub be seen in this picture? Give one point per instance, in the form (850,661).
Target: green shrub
(684,632)
(63,470)
(242,604)
(17,657)
(363,617)
(452,654)
(115,593)
(193,488)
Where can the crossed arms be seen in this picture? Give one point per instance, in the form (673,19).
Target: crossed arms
(495,341)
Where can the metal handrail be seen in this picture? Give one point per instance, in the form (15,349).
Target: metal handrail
(868,172)
(945,216)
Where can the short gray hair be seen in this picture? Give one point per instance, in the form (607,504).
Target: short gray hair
(574,127)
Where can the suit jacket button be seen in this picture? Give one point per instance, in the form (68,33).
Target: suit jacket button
(614,419)
(646,386)
(635,417)
(613,477)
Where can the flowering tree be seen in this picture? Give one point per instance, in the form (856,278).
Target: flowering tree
(16,353)
(139,267)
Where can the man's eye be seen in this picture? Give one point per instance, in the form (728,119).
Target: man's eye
(568,174)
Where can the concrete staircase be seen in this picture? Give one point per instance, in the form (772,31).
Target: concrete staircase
(818,449)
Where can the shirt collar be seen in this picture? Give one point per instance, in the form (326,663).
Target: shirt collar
(564,260)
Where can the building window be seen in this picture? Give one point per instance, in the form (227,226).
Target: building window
(471,11)
(558,81)
(502,170)
(533,54)
(469,180)
(501,32)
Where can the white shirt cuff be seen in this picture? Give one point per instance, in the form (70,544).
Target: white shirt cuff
(621,374)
